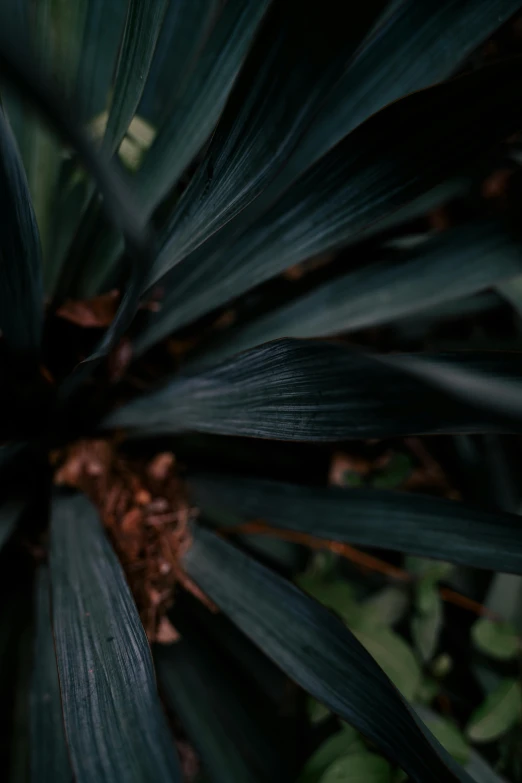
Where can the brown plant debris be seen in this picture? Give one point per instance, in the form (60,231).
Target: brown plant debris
(93,313)
(145,510)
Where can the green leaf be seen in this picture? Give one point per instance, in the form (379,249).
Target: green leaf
(49,758)
(343,742)
(491,392)
(393,655)
(428,570)
(417,45)
(20,744)
(500,711)
(21,291)
(56,27)
(504,598)
(202,49)
(358,768)
(394,473)
(315,391)
(184,34)
(206,49)
(407,53)
(114,724)
(175,312)
(53,28)
(404,52)
(426,623)
(310,46)
(102,33)
(10,513)
(323,210)
(386,606)
(427,691)
(479,770)
(317,712)
(142,28)
(497,639)
(35,84)
(403,522)
(337,596)
(391,652)
(450,738)
(219,720)
(318,652)
(458,263)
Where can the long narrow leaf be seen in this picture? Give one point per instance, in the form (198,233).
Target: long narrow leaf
(307,390)
(302,49)
(187,297)
(49,759)
(102,33)
(10,513)
(319,653)
(19,68)
(201,51)
(56,30)
(405,522)
(459,263)
(218,721)
(144,21)
(21,290)
(222,41)
(430,136)
(414,46)
(418,45)
(114,724)
(489,391)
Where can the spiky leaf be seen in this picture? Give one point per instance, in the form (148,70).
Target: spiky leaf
(114,723)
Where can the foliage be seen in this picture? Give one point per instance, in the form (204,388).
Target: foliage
(243,244)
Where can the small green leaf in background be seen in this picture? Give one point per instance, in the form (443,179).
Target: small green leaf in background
(441,666)
(426,623)
(358,768)
(337,596)
(496,639)
(501,710)
(393,655)
(425,568)
(394,473)
(427,691)
(450,738)
(352,479)
(317,712)
(338,745)
(387,606)
(369,621)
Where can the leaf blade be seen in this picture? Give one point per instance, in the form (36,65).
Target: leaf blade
(497,714)
(114,724)
(21,287)
(229,739)
(251,143)
(315,391)
(405,52)
(315,650)
(323,209)
(221,42)
(404,522)
(49,758)
(140,36)
(10,513)
(457,264)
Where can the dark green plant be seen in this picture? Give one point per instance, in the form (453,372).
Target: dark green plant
(227,142)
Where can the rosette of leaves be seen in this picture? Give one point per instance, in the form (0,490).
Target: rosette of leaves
(160,162)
